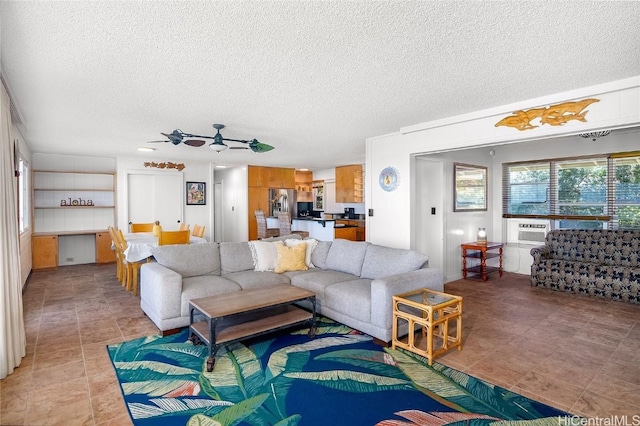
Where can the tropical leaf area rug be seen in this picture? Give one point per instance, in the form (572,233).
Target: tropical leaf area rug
(340,377)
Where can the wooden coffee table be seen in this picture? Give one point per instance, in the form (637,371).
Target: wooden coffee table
(243,314)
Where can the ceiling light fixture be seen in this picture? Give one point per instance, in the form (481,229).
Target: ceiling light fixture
(146,149)
(595,135)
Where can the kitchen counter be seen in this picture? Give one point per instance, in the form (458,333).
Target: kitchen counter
(318,228)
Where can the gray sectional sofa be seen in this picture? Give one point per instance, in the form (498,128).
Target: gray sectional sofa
(354,281)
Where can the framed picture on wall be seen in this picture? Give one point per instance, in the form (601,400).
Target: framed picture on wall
(196,194)
(469,187)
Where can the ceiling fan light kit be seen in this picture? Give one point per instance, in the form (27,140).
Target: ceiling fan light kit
(178,136)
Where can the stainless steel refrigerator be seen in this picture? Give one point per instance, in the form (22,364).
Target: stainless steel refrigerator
(282,200)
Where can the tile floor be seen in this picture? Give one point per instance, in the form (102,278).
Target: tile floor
(576,353)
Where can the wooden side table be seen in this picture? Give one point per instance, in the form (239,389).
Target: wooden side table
(482,252)
(438,315)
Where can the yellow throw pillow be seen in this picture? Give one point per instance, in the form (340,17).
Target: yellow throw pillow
(291,258)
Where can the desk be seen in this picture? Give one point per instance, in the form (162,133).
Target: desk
(481,251)
(139,245)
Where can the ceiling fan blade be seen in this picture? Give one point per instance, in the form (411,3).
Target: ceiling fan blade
(157,141)
(239,147)
(259,147)
(194,142)
(175,137)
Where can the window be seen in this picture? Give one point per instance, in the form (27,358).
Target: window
(600,192)
(23,194)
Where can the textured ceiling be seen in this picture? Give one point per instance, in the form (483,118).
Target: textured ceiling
(313,79)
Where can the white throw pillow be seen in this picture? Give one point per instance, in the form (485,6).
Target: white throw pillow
(311,244)
(265,255)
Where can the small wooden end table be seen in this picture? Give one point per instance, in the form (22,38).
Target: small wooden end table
(242,314)
(433,312)
(481,251)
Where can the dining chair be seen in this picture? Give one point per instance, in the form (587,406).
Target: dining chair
(141,227)
(198,231)
(284,225)
(263,231)
(132,268)
(183,226)
(120,267)
(166,238)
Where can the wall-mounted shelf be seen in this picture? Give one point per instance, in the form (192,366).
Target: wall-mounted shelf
(71,214)
(73,201)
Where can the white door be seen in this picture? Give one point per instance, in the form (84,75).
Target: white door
(429,238)
(155,196)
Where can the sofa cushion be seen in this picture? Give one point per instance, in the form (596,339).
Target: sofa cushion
(341,298)
(235,257)
(189,260)
(283,238)
(252,279)
(346,256)
(204,286)
(319,254)
(317,280)
(291,258)
(380,262)
(310,243)
(264,254)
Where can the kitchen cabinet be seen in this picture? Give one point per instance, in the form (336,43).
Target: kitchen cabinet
(349,184)
(304,185)
(271,177)
(45,252)
(259,181)
(104,253)
(258,176)
(258,200)
(346,233)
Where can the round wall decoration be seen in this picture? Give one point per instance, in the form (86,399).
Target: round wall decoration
(389,178)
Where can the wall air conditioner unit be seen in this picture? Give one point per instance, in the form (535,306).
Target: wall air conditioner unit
(527,231)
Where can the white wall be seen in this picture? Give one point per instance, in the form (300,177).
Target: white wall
(619,107)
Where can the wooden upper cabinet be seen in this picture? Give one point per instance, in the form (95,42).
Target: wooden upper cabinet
(275,177)
(271,177)
(288,178)
(258,176)
(349,181)
(304,181)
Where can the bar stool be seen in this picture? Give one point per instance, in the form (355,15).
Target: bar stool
(284,223)
(263,231)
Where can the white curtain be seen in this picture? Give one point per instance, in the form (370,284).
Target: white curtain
(12,335)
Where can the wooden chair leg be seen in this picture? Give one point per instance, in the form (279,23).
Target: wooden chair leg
(136,269)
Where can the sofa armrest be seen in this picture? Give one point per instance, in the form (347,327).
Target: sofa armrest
(383,290)
(160,290)
(540,253)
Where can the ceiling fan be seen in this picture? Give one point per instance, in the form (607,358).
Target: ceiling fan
(218,144)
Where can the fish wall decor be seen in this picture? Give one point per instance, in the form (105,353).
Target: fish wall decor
(553,115)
